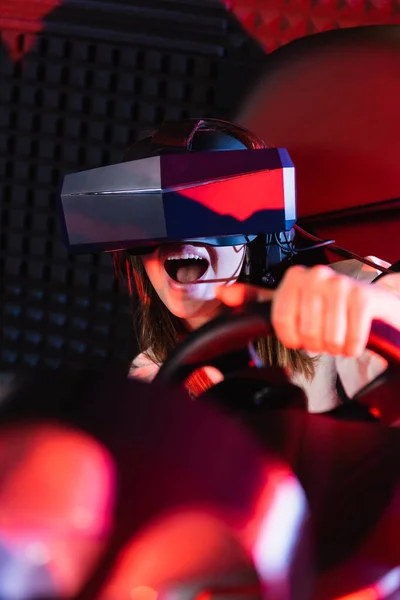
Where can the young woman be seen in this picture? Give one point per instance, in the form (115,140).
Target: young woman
(321,315)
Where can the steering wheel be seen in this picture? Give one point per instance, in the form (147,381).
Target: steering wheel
(238,326)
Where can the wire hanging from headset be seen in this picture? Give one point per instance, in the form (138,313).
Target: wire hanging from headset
(288,250)
(339,250)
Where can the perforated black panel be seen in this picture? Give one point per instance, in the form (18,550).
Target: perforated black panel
(98,75)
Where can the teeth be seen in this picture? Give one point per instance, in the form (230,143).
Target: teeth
(185,256)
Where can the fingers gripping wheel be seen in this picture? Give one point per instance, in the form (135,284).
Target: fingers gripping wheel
(239,326)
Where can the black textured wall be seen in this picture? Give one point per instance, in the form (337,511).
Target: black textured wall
(96,76)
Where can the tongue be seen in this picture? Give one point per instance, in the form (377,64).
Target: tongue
(189,273)
(186,270)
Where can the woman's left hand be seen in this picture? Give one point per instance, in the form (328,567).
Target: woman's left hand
(322,311)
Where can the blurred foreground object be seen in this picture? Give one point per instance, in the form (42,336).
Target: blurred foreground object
(303,506)
(56,499)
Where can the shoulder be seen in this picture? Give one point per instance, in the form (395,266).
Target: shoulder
(355,373)
(357,270)
(321,391)
(143,367)
(366,274)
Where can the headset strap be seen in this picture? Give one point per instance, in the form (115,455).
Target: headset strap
(179,134)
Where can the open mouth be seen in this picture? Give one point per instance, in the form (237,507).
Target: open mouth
(187,268)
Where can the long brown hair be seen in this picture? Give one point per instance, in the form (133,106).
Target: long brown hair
(158,331)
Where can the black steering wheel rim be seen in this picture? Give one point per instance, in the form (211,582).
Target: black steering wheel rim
(237,327)
(229,332)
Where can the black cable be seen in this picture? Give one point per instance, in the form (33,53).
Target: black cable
(288,246)
(395,268)
(342,251)
(321,245)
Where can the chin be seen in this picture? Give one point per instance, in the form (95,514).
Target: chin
(194,309)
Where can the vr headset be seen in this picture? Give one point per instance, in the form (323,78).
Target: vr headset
(204,181)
